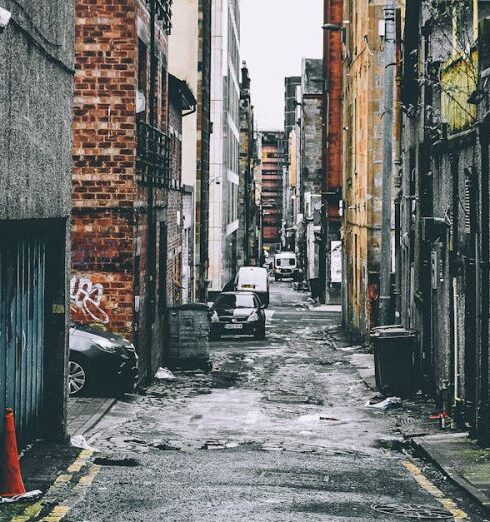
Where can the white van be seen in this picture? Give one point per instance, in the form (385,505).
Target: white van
(285,265)
(254,279)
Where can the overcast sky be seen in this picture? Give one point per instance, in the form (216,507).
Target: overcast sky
(275,36)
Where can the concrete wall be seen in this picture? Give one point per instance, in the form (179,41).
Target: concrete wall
(36,111)
(36,95)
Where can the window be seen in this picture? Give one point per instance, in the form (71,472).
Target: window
(143,77)
(235,301)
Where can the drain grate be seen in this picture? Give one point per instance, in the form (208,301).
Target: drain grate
(414,511)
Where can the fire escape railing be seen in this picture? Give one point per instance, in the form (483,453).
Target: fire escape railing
(153,158)
(163,12)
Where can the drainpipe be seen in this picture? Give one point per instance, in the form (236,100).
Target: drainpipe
(151,226)
(398,258)
(388,118)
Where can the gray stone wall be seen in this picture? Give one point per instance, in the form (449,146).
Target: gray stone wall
(36,75)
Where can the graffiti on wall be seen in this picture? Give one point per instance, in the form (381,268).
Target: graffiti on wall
(86,297)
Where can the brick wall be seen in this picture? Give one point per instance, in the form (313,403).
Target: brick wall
(110,208)
(104,162)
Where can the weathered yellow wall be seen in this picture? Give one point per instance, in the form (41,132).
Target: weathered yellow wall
(458,81)
(363,159)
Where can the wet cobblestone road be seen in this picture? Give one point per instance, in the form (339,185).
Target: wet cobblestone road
(278,430)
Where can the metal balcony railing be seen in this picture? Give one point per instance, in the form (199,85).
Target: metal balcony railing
(163,12)
(153,157)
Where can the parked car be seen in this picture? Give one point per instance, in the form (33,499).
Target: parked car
(285,265)
(237,313)
(100,362)
(253,279)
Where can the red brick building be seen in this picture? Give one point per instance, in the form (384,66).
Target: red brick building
(127,200)
(332,151)
(273,161)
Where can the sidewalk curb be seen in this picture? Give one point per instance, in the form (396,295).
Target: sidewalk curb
(95,418)
(426,453)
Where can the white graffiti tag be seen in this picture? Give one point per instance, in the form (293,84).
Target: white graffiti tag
(87,296)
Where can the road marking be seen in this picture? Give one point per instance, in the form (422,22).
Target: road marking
(447,503)
(76,494)
(53,492)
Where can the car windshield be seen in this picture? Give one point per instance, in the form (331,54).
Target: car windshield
(290,261)
(235,301)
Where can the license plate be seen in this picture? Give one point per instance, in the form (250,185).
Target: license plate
(233,326)
(248,286)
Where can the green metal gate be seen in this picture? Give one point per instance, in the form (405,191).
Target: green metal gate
(22,307)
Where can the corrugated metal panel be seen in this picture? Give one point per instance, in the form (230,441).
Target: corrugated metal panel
(22,285)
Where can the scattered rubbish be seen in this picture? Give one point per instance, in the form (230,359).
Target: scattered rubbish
(78,441)
(164,374)
(440,415)
(443,418)
(29,495)
(25,450)
(114,461)
(388,404)
(135,441)
(166,446)
(214,444)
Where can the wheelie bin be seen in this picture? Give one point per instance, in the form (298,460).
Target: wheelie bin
(396,360)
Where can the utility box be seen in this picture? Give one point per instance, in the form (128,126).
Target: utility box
(186,337)
(396,360)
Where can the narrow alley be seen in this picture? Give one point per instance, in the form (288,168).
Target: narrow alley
(278,430)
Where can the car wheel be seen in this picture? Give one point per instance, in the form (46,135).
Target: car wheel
(77,378)
(214,336)
(260,332)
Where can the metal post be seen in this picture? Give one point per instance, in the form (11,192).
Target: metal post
(388,132)
(151,226)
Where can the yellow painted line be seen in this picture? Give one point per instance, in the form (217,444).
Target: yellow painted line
(87,480)
(61,510)
(447,503)
(34,509)
(81,460)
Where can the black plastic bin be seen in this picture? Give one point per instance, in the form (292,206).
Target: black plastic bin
(396,360)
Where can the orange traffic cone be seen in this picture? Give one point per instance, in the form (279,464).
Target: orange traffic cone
(11,483)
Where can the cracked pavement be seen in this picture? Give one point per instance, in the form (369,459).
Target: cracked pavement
(278,431)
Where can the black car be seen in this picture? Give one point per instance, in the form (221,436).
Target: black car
(237,313)
(100,362)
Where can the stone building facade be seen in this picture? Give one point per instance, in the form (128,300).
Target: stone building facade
(444,194)
(36,94)
(363,163)
(247,208)
(311,136)
(126,195)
